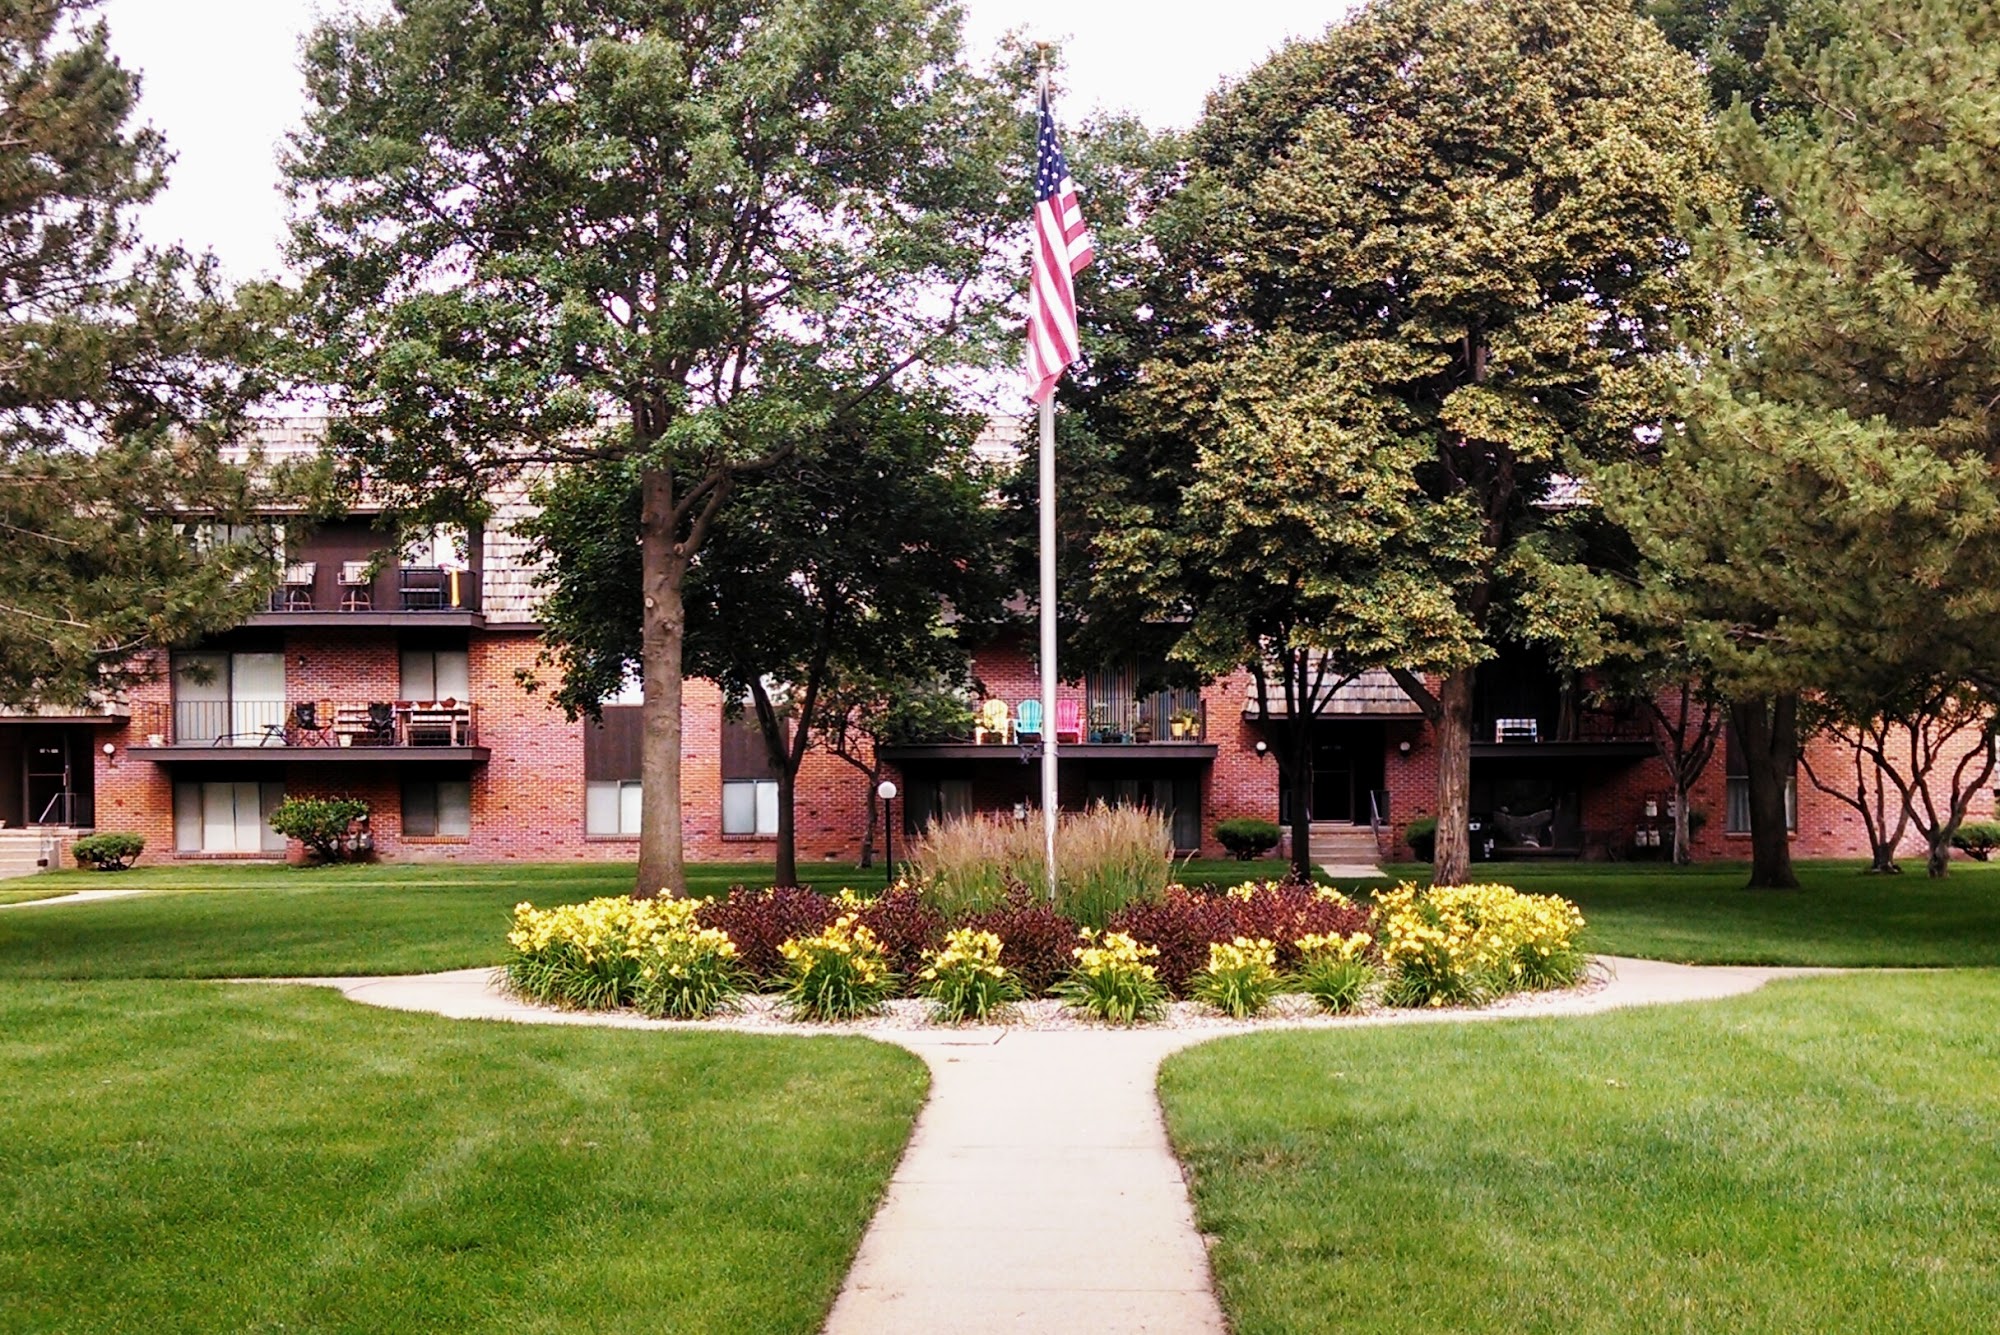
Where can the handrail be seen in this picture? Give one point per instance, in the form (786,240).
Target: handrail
(1378,813)
(62,799)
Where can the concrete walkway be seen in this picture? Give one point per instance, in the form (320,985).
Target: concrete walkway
(74,897)
(1039,1194)
(1352,871)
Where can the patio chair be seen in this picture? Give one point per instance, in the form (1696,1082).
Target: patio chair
(994,719)
(1517,730)
(1028,720)
(1069,721)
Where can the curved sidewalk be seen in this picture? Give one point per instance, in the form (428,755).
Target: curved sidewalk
(1038,1193)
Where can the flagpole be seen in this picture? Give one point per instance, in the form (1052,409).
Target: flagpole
(1048,601)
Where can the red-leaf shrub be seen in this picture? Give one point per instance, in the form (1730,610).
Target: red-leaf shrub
(1180,926)
(759,921)
(1186,922)
(906,926)
(1283,911)
(1035,940)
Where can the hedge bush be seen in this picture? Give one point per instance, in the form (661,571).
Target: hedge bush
(109,851)
(325,825)
(1977,839)
(1422,837)
(1246,837)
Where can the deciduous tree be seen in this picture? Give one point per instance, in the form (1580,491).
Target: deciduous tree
(675,239)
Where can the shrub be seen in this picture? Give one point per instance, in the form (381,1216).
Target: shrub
(1112,980)
(1977,838)
(588,956)
(1336,971)
(108,852)
(1467,943)
(1246,838)
(325,825)
(906,926)
(966,980)
(1241,977)
(838,973)
(1178,929)
(1106,857)
(690,973)
(1036,940)
(761,921)
(1421,836)
(1284,911)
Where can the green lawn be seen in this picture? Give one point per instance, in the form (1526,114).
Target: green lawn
(1821,1156)
(1703,915)
(18,895)
(209,1157)
(261,921)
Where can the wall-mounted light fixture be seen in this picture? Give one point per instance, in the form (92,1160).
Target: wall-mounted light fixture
(111,755)
(1263,749)
(1403,748)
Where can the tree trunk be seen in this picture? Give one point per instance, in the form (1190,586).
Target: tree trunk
(1299,779)
(1451,862)
(1683,835)
(874,814)
(663,575)
(1768,731)
(1939,861)
(1883,861)
(787,873)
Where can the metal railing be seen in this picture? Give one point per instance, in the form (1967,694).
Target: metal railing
(397,588)
(307,723)
(1164,716)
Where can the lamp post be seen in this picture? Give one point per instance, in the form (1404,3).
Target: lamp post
(887,792)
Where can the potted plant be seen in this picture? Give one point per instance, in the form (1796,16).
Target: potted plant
(1184,723)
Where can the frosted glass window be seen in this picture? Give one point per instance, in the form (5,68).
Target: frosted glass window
(750,806)
(611,807)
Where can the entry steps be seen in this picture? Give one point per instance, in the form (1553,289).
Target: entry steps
(22,852)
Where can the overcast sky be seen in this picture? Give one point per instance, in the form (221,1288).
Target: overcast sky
(222,83)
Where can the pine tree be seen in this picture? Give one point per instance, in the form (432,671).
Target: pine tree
(119,380)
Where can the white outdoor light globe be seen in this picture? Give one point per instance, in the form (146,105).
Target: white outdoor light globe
(887,792)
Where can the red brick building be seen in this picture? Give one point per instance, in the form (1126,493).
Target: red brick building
(406,678)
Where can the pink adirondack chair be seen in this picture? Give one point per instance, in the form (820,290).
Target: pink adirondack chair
(1069,721)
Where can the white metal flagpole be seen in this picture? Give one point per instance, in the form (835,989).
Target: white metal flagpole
(1048,600)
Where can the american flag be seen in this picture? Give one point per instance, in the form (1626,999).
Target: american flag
(1062,248)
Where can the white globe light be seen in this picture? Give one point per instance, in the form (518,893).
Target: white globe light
(887,792)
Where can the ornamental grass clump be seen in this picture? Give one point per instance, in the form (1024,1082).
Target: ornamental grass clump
(837,974)
(1465,944)
(1106,858)
(1241,977)
(588,956)
(1336,971)
(691,973)
(1112,981)
(965,980)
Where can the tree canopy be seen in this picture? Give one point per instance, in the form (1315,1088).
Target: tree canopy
(677,238)
(121,375)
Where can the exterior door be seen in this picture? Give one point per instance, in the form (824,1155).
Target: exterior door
(49,787)
(1333,775)
(256,697)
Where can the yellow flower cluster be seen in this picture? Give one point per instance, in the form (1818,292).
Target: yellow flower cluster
(847,941)
(1242,953)
(1332,896)
(1493,933)
(1113,952)
(600,929)
(680,953)
(850,900)
(965,951)
(1335,947)
(1248,890)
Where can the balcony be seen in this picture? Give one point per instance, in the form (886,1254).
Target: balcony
(1148,720)
(317,730)
(314,593)
(1582,733)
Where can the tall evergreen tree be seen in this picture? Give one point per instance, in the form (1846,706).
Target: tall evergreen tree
(119,379)
(1446,237)
(670,239)
(1828,511)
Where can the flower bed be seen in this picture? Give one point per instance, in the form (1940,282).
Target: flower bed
(1260,947)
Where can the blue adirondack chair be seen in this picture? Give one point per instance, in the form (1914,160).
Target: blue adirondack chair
(1028,719)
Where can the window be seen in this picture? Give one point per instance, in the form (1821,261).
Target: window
(749,780)
(611,772)
(436,674)
(437,808)
(1736,789)
(225,699)
(227,817)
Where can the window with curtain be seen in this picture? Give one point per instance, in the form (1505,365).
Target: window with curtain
(749,779)
(1736,788)
(611,757)
(436,674)
(437,808)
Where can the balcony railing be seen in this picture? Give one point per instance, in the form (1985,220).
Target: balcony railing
(352,586)
(1164,716)
(1589,725)
(307,723)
